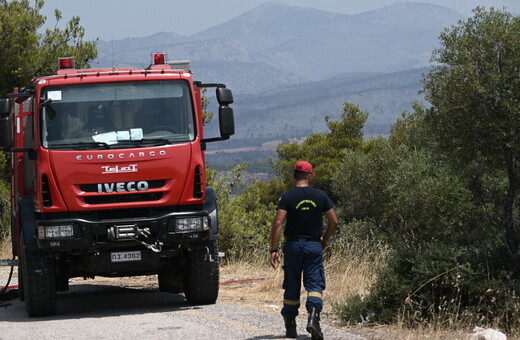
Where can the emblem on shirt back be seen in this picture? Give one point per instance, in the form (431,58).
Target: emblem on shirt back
(303,205)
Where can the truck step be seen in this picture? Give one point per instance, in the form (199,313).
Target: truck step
(9,263)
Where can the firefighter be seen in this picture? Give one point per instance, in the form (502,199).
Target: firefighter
(302,208)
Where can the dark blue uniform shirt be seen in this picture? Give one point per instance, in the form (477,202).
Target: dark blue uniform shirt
(305,207)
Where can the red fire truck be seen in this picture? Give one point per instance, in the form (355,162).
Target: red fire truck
(108,179)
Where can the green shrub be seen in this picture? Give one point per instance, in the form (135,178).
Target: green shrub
(448,262)
(245,215)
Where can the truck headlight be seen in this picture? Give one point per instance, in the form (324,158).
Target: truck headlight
(55,231)
(191,224)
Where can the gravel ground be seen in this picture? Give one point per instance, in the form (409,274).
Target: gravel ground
(130,308)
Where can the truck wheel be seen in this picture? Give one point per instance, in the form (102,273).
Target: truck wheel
(39,284)
(202,277)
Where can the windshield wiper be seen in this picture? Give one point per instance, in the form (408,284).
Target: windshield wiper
(145,142)
(80,146)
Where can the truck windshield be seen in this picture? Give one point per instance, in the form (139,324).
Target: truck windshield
(116,115)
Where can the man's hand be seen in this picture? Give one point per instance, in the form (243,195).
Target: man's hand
(275,259)
(324,242)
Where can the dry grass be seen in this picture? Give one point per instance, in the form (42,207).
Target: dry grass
(5,250)
(349,269)
(252,282)
(398,332)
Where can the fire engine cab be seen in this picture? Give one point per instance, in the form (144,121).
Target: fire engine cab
(108,179)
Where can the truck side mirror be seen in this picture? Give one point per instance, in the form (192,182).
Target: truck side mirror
(225,113)
(226,121)
(5,124)
(224,96)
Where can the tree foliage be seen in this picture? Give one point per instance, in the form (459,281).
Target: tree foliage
(474,90)
(26,53)
(407,198)
(441,190)
(324,150)
(207,116)
(244,215)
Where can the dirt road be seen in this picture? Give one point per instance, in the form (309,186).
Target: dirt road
(111,311)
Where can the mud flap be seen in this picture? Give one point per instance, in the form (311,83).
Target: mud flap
(28,224)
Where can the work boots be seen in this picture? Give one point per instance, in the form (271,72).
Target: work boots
(313,325)
(290,327)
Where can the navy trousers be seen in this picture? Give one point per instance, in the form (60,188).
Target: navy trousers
(303,256)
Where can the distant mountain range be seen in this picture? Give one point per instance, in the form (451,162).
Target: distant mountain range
(290,66)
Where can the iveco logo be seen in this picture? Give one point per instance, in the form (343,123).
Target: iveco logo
(122,187)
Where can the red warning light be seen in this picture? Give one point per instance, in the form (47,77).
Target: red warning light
(66,63)
(159,58)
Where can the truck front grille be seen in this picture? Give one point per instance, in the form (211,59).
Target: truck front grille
(123,198)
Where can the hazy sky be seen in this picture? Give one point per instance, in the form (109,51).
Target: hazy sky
(116,19)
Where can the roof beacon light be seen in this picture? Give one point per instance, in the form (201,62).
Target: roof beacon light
(159,58)
(66,63)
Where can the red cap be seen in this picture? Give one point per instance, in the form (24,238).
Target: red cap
(303,166)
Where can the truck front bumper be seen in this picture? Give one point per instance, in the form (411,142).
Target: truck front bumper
(163,232)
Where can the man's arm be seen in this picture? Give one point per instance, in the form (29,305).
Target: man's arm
(276,232)
(332,224)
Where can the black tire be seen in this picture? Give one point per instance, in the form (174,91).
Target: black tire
(202,275)
(39,283)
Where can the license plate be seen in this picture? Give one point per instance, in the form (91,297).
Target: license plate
(125,256)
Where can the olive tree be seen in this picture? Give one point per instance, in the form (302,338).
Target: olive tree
(26,53)
(474,90)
